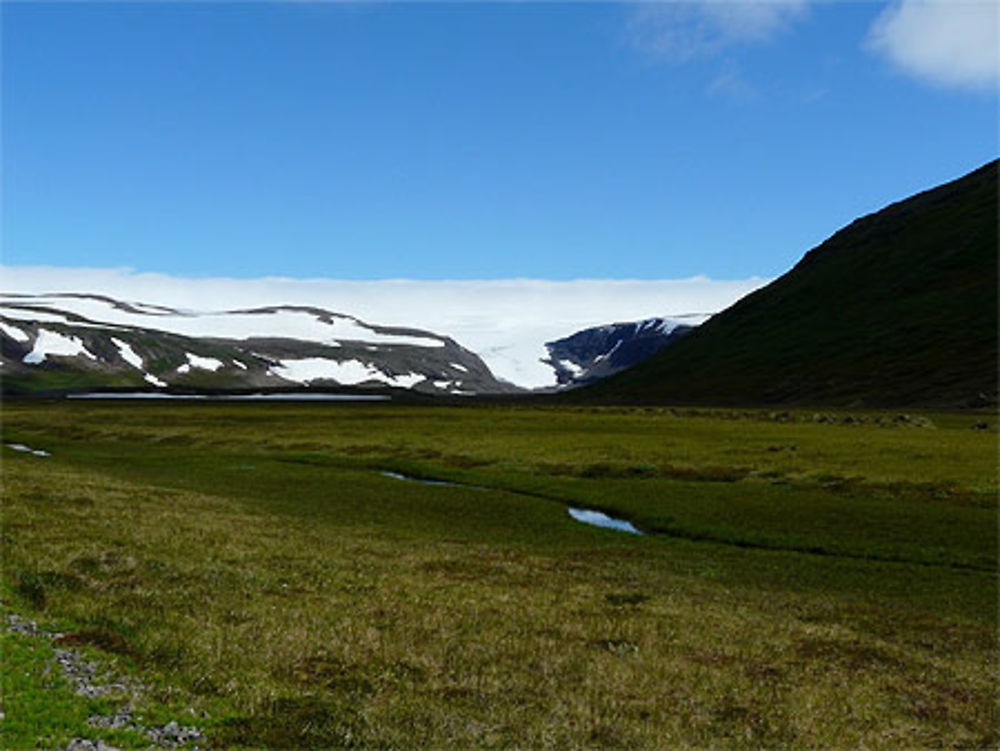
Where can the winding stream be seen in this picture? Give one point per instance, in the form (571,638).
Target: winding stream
(27,449)
(420,480)
(600,519)
(583,515)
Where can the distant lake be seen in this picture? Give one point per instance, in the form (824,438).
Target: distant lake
(240,397)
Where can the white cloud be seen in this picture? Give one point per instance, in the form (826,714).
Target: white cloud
(683,31)
(753,20)
(505,321)
(950,43)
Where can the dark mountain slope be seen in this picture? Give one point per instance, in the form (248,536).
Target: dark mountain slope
(898,308)
(597,352)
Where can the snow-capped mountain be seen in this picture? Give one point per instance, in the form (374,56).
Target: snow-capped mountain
(80,341)
(506,322)
(600,351)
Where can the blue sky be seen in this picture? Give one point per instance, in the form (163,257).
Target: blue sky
(478,141)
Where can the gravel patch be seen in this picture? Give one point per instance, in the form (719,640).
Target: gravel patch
(85,676)
(82,744)
(90,681)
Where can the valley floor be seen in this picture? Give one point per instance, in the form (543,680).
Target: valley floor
(805,580)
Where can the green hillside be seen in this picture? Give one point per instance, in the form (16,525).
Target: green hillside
(897,309)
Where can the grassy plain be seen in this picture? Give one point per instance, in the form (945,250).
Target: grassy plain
(808,580)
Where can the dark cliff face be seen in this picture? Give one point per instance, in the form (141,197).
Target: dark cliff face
(897,309)
(601,351)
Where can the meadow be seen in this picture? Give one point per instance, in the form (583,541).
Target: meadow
(806,579)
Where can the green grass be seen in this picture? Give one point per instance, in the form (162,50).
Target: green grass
(60,379)
(251,562)
(40,707)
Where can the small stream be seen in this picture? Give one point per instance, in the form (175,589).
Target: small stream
(420,480)
(585,516)
(600,519)
(27,449)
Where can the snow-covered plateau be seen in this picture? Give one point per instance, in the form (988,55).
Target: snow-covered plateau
(300,332)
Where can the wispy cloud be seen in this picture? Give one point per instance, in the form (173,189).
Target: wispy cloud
(678,32)
(730,83)
(952,43)
(506,321)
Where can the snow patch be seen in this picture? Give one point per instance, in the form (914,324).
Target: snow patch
(128,354)
(239,365)
(153,310)
(238,324)
(408,380)
(14,333)
(202,363)
(571,366)
(667,326)
(50,343)
(452,387)
(610,352)
(44,316)
(456,366)
(346,372)
(150,378)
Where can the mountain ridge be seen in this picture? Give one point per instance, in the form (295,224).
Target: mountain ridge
(600,351)
(898,308)
(57,342)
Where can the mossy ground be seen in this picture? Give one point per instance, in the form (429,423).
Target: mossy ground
(252,562)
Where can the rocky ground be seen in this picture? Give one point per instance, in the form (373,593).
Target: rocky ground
(91,680)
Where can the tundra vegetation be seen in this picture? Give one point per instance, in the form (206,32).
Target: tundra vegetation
(807,579)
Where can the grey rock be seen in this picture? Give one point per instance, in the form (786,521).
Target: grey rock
(173,734)
(82,744)
(88,680)
(119,720)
